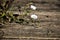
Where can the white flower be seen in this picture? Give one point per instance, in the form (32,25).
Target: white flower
(34,16)
(33,7)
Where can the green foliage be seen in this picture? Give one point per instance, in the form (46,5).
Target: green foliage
(6,16)
(4,7)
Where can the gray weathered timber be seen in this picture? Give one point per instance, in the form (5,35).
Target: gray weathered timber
(47,26)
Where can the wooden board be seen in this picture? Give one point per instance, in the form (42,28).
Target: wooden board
(47,26)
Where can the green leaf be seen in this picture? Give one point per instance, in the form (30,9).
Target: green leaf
(3,14)
(11,14)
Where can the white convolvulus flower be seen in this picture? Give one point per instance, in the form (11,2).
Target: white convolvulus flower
(33,7)
(34,16)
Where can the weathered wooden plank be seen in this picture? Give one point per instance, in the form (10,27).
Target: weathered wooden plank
(39,0)
(46,30)
(46,5)
(48,26)
(47,16)
(29,39)
(10,39)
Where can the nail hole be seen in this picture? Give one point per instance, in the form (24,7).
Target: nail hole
(47,16)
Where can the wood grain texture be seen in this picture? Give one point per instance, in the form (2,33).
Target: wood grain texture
(44,5)
(27,39)
(46,27)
